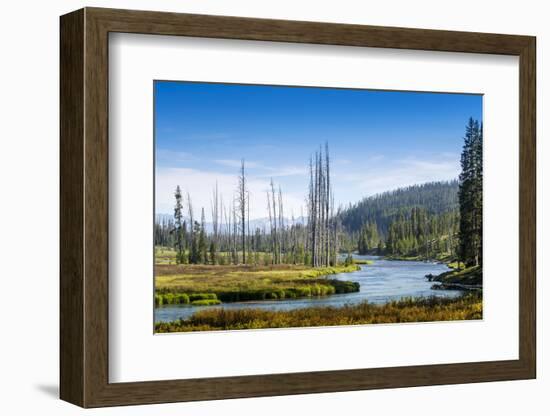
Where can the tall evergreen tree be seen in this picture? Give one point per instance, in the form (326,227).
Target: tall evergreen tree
(178,226)
(470,195)
(368,238)
(194,253)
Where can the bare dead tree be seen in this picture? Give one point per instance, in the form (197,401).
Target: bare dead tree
(241,205)
(319,210)
(334,246)
(281,224)
(270,227)
(293,237)
(215,220)
(227,212)
(275,237)
(322,198)
(235,230)
(248,223)
(319,213)
(312,209)
(328,198)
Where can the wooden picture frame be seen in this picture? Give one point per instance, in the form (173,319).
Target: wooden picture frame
(84,207)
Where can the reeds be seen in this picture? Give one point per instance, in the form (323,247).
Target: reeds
(467,307)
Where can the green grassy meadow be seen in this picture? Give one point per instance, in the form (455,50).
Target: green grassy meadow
(233,283)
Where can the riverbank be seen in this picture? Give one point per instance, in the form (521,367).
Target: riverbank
(469,279)
(363,262)
(237,283)
(467,307)
(446,259)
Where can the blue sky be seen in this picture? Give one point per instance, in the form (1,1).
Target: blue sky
(378,140)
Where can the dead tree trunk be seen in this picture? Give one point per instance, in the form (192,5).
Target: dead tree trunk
(241,202)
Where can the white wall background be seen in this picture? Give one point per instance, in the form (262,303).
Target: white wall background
(29,158)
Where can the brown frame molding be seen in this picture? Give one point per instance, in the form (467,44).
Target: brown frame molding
(84,207)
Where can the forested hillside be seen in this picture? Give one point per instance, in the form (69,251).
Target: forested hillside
(383,209)
(437,220)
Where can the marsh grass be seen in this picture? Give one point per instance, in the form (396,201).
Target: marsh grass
(165,255)
(247,282)
(198,299)
(171,299)
(467,307)
(205,302)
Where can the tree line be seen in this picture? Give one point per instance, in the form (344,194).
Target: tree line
(431,220)
(382,209)
(231,239)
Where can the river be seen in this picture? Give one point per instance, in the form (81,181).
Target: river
(382,281)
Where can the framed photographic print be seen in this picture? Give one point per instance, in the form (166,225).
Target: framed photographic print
(256,207)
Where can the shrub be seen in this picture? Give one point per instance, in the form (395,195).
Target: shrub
(349,260)
(158,300)
(202,296)
(182,298)
(205,302)
(303,291)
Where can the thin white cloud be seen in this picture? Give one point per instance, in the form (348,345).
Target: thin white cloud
(349,185)
(236,163)
(268,171)
(170,156)
(200,185)
(343,162)
(378,178)
(284,171)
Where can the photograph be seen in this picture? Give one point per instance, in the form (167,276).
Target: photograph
(282,206)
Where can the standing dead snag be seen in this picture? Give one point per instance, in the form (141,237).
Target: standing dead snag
(281,225)
(241,206)
(275,236)
(328,198)
(214,245)
(320,196)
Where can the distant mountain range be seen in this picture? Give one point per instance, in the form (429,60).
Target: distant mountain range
(255,223)
(435,197)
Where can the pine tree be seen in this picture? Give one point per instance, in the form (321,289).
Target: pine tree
(470,196)
(194,253)
(193,257)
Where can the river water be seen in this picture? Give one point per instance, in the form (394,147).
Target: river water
(382,281)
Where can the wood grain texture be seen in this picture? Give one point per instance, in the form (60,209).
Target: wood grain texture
(527,208)
(84,207)
(71,208)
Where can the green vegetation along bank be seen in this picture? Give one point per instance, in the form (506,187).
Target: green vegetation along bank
(211,284)
(469,278)
(467,307)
